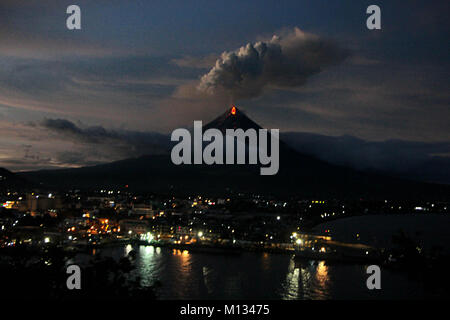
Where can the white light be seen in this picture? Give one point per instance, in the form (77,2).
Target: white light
(46,240)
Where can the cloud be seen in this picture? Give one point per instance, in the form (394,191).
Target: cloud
(69,129)
(94,89)
(196,62)
(364,61)
(118,143)
(376,102)
(29,46)
(282,62)
(74,159)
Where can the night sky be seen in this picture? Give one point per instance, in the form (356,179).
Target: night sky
(139,69)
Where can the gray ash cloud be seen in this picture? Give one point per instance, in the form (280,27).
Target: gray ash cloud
(284,61)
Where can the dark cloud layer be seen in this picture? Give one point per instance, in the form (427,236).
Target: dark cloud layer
(118,143)
(284,61)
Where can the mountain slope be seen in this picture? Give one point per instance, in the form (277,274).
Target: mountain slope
(299,175)
(10,180)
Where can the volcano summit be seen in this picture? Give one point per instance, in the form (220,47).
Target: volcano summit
(256,148)
(299,174)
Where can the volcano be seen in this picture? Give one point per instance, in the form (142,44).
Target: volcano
(299,175)
(232,119)
(237,119)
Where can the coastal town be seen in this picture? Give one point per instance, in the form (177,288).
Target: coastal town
(83,221)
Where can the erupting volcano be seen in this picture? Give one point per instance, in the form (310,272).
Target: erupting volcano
(299,174)
(233,118)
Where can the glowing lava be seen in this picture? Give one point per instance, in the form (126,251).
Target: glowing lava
(233,110)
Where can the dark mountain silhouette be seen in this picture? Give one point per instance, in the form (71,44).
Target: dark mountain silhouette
(415,160)
(232,119)
(299,174)
(12,181)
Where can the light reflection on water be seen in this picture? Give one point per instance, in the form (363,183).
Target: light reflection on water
(306,280)
(147,265)
(322,279)
(293,285)
(128,249)
(186,275)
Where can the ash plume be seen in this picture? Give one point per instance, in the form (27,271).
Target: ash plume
(282,62)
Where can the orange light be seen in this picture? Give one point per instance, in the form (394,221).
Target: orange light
(233,110)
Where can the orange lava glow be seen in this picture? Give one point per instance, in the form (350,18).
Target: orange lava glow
(233,110)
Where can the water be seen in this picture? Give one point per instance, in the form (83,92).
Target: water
(251,275)
(427,229)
